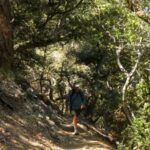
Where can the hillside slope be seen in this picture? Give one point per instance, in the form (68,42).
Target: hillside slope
(28,123)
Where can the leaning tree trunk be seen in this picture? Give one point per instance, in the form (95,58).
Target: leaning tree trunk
(6,36)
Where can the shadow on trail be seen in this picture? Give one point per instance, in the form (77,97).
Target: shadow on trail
(22,131)
(36,126)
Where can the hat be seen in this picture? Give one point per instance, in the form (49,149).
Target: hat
(76,85)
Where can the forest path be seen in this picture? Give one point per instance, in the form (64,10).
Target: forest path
(20,132)
(30,124)
(86,140)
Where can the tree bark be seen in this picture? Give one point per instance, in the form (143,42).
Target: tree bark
(6,35)
(127,111)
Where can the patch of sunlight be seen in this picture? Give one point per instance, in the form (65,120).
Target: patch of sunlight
(82,126)
(95,148)
(29,141)
(18,120)
(98,142)
(57,56)
(8,125)
(39,52)
(81,67)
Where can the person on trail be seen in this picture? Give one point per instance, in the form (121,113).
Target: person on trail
(76,103)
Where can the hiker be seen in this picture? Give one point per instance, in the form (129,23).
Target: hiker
(76,103)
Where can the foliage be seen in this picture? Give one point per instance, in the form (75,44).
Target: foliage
(137,135)
(59,42)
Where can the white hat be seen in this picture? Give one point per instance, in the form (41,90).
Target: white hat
(76,85)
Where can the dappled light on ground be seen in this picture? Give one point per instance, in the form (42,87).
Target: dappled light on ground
(19,131)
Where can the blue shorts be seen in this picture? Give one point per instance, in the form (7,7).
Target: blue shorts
(76,112)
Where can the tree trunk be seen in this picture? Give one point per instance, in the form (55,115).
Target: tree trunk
(6,36)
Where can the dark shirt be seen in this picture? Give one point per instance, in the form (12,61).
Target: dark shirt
(75,100)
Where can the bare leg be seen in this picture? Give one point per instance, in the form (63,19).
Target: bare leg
(75,122)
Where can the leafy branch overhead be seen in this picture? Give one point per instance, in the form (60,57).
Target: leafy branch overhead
(46,27)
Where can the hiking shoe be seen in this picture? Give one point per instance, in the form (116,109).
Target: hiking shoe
(75,132)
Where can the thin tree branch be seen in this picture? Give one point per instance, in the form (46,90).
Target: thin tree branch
(34,44)
(118,51)
(71,9)
(56,12)
(126,109)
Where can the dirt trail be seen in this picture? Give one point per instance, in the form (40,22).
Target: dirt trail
(20,132)
(30,124)
(86,140)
